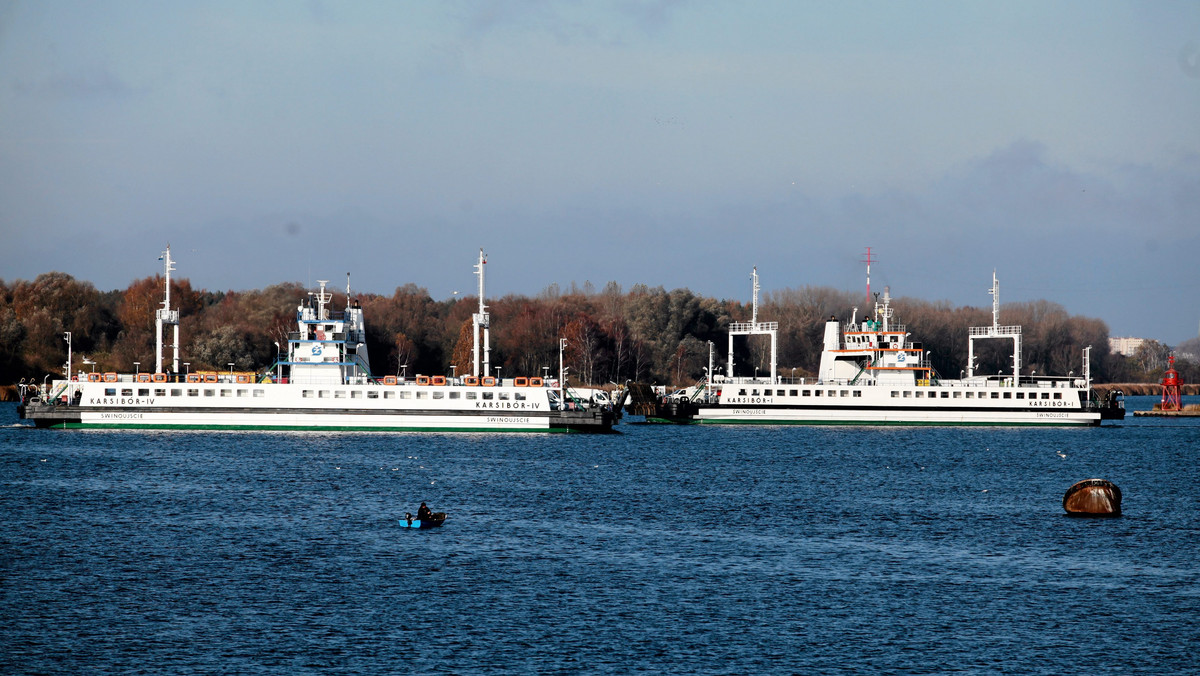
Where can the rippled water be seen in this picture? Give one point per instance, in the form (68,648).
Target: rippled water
(662,549)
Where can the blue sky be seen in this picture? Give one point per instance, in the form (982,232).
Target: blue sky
(670,143)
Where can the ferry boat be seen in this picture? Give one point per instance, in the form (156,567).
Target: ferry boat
(324,383)
(872,373)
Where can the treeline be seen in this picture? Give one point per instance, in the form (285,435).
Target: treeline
(644,334)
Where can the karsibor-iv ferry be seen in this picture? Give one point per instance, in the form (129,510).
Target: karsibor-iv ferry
(324,382)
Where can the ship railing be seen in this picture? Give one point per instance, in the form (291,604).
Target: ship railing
(994,330)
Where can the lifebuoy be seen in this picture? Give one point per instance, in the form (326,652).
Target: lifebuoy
(160,377)
(521,382)
(422,380)
(389,380)
(243,378)
(471,380)
(210,377)
(193,377)
(110,377)
(535,382)
(489,381)
(95,377)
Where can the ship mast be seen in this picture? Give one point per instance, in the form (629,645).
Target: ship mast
(481,320)
(995,331)
(166,316)
(754,327)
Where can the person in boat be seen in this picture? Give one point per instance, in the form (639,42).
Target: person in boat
(424,513)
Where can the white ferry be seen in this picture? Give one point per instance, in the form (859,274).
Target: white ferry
(324,383)
(872,373)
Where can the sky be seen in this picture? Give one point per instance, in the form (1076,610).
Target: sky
(671,143)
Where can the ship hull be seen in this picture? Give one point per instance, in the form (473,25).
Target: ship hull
(284,407)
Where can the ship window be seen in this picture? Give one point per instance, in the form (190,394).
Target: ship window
(1058,395)
(907,394)
(807,393)
(1045,395)
(439,394)
(945,395)
(144,392)
(422,395)
(920,394)
(488,395)
(958,395)
(742,392)
(388,394)
(519,396)
(307,394)
(472,395)
(193,393)
(372,394)
(356,394)
(160,393)
(754,392)
(995,395)
(455,395)
(323,394)
(1008,395)
(504,396)
(176,393)
(259,393)
(127,392)
(243,393)
(792,393)
(1020,395)
(339,394)
(845,393)
(110,391)
(210,393)
(970,395)
(226,393)
(817,393)
(895,394)
(403,395)
(858,393)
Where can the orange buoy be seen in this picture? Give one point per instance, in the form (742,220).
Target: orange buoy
(1093,497)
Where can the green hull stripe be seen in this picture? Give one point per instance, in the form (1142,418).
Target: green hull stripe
(890,423)
(315,428)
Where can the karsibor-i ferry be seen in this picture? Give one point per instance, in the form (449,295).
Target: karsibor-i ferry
(872,373)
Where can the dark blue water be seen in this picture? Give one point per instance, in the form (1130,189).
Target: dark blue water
(663,549)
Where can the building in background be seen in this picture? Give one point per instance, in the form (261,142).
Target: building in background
(1125,346)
